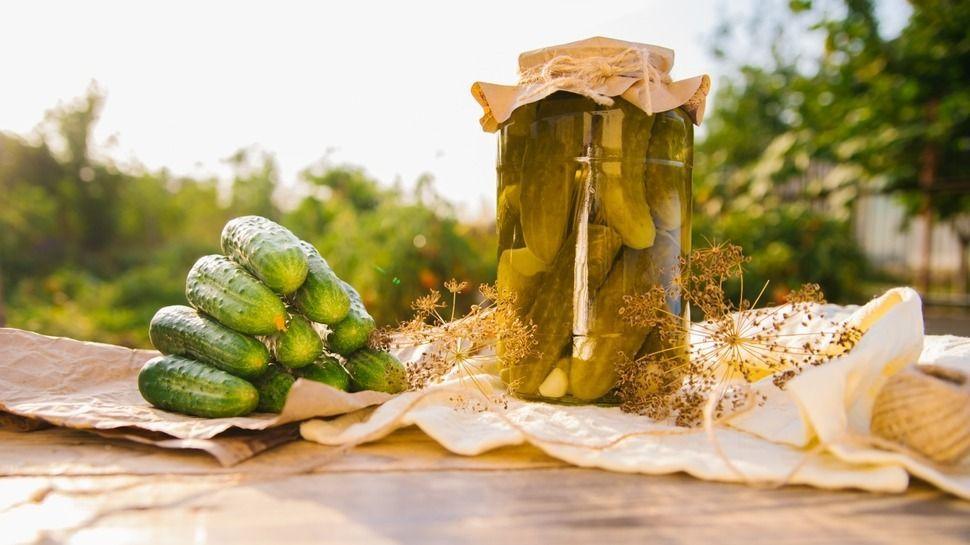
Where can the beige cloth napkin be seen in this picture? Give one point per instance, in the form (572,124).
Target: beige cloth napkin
(807,433)
(595,67)
(87,385)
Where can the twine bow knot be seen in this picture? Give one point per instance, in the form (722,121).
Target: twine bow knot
(588,76)
(606,69)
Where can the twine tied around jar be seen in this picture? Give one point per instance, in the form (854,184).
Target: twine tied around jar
(601,69)
(588,76)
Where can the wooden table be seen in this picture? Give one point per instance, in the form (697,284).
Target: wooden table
(61,486)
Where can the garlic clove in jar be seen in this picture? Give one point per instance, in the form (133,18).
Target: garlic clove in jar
(555,384)
(927,409)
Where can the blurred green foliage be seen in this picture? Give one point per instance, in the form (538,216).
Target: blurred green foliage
(90,251)
(797,136)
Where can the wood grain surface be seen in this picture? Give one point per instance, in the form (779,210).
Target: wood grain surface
(61,486)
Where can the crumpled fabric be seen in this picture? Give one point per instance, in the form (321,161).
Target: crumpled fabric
(812,432)
(86,385)
(600,69)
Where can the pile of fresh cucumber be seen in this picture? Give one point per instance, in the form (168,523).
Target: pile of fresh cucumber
(269,311)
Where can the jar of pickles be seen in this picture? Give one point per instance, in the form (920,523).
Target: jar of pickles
(594,205)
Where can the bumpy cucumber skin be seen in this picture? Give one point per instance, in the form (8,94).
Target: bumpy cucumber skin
(298,345)
(328,371)
(182,331)
(268,250)
(189,387)
(376,370)
(352,332)
(321,298)
(224,290)
(273,386)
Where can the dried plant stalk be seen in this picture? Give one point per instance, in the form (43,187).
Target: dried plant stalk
(465,343)
(736,345)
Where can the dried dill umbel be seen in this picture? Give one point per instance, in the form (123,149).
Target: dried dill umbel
(462,345)
(707,378)
(736,344)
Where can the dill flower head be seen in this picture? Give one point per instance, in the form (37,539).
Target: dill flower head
(737,343)
(462,343)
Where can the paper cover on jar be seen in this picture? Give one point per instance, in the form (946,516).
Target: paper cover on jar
(601,69)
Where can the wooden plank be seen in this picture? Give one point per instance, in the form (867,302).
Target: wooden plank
(407,489)
(545,506)
(60,451)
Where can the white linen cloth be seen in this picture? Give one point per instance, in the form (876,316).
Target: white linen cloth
(811,432)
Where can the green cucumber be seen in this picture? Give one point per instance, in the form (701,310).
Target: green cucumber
(296,346)
(376,370)
(352,332)
(328,371)
(268,250)
(182,331)
(549,184)
(224,290)
(621,190)
(512,282)
(552,315)
(321,298)
(273,386)
(593,370)
(189,387)
(667,171)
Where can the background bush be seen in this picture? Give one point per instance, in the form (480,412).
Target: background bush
(91,250)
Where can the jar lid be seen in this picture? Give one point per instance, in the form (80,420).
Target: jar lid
(601,69)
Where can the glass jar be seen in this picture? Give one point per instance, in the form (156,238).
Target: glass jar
(594,204)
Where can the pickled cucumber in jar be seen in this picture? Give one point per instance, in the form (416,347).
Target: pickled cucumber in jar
(594,356)
(546,308)
(667,171)
(548,177)
(621,140)
(593,206)
(511,152)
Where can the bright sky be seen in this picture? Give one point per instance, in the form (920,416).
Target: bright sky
(384,85)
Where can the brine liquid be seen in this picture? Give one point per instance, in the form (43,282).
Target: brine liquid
(593,205)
